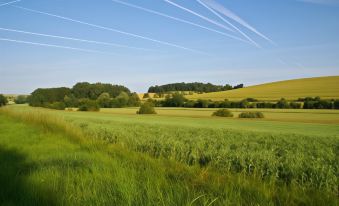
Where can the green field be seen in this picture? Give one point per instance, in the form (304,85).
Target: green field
(274,157)
(324,87)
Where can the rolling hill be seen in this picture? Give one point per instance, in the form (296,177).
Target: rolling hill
(324,87)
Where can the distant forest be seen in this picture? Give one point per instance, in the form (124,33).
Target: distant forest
(194,87)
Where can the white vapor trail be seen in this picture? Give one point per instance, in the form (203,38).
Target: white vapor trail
(70,38)
(53,45)
(229,23)
(221,9)
(199,15)
(11,2)
(176,19)
(110,29)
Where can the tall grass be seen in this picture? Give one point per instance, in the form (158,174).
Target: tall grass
(192,166)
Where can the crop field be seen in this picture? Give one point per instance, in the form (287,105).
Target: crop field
(283,115)
(274,154)
(324,87)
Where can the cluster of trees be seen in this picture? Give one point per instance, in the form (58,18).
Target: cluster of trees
(3,100)
(195,87)
(178,100)
(318,103)
(86,96)
(21,99)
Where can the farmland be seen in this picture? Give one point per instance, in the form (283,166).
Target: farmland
(292,154)
(324,87)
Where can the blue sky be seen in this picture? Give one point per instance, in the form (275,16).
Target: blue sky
(305,35)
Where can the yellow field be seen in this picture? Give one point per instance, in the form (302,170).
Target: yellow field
(325,87)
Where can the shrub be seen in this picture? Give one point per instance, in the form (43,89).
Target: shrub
(336,104)
(3,100)
(21,99)
(295,105)
(202,103)
(146,108)
(88,105)
(176,100)
(104,100)
(251,115)
(146,96)
(223,113)
(56,105)
(282,104)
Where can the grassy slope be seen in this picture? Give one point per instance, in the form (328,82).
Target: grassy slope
(325,122)
(47,165)
(325,87)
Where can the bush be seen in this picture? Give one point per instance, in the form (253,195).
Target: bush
(176,100)
(88,105)
(56,105)
(21,99)
(336,104)
(3,100)
(251,115)
(146,108)
(223,113)
(146,96)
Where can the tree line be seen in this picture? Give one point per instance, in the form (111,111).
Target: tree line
(85,96)
(194,87)
(179,100)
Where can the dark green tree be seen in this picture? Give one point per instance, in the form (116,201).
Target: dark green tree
(3,100)
(21,99)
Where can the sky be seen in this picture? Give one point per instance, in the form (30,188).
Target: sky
(140,43)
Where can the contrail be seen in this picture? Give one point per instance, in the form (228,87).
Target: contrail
(199,15)
(229,23)
(221,9)
(11,2)
(110,29)
(55,46)
(73,39)
(176,19)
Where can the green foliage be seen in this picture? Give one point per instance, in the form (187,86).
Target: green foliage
(223,113)
(146,96)
(3,100)
(104,100)
(93,91)
(146,108)
(42,97)
(21,99)
(317,103)
(88,105)
(133,100)
(336,104)
(71,101)
(56,105)
(282,104)
(175,100)
(251,115)
(122,99)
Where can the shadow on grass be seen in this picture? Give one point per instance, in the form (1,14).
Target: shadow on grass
(15,186)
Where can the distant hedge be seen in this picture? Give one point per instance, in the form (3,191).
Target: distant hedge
(251,115)
(223,113)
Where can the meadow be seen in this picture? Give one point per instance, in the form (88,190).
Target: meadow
(324,87)
(279,156)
